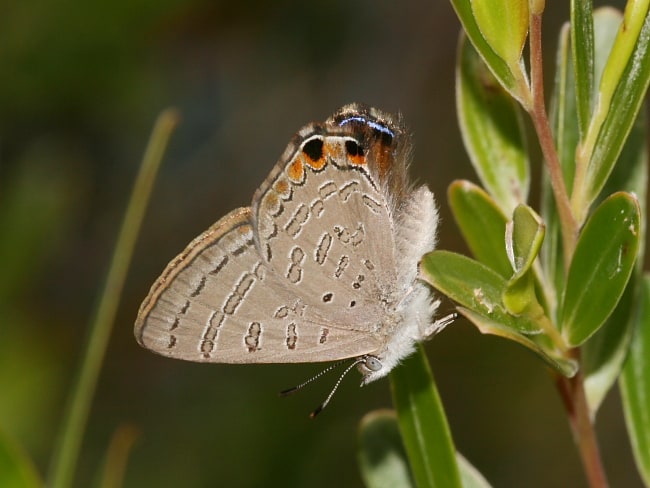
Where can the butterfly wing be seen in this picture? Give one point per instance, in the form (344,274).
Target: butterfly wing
(308,273)
(218,302)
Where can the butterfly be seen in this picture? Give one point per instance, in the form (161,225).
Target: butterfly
(323,265)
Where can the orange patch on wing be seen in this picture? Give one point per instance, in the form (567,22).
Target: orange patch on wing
(316,163)
(271,200)
(281,187)
(296,171)
(357,160)
(334,151)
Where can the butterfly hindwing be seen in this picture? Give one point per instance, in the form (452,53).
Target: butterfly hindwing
(219,302)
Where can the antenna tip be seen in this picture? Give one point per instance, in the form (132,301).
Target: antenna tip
(316,412)
(288,391)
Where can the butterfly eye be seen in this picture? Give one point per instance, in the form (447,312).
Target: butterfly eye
(372,363)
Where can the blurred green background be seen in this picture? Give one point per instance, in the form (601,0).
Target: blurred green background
(80,86)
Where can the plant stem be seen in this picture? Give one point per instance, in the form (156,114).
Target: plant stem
(66,450)
(543,128)
(571,390)
(573,395)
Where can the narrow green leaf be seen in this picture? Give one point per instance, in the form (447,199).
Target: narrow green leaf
(492,130)
(564,110)
(423,424)
(635,386)
(566,134)
(72,428)
(117,456)
(16,468)
(607,21)
(582,45)
(603,354)
(482,224)
(474,286)
(382,458)
(626,101)
(514,83)
(605,25)
(504,26)
(614,116)
(634,18)
(601,266)
(564,366)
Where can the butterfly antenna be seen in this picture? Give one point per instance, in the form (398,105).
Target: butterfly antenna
(320,408)
(294,389)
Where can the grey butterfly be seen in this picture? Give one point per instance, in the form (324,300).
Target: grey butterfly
(322,266)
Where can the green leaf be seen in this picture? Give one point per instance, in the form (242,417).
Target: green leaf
(492,130)
(504,26)
(16,468)
(524,236)
(564,110)
(567,135)
(482,224)
(71,430)
(607,21)
(603,355)
(382,457)
(635,386)
(621,53)
(601,266)
(423,424)
(582,45)
(515,83)
(564,366)
(620,96)
(474,286)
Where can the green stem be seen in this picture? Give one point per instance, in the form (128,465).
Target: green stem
(545,135)
(67,448)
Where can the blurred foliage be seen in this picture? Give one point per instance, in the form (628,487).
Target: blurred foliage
(80,85)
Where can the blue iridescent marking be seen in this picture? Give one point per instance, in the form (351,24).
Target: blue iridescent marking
(372,124)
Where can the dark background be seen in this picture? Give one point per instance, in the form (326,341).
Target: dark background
(80,86)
